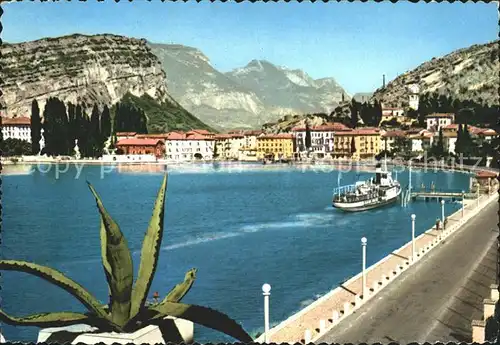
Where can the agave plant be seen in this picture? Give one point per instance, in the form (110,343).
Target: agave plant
(127,310)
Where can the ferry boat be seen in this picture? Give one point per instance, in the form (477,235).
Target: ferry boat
(378,191)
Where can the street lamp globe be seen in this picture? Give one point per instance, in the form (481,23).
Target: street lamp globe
(266,288)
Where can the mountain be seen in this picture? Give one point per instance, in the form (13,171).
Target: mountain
(97,69)
(467,74)
(204,91)
(284,90)
(246,97)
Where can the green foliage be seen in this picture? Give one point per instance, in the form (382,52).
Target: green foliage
(162,117)
(353,145)
(401,147)
(127,310)
(36,127)
(308,136)
(437,150)
(56,128)
(15,147)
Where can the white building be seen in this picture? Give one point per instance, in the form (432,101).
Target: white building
(414,92)
(321,137)
(230,146)
(436,121)
(188,146)
(16,128)
(421,141)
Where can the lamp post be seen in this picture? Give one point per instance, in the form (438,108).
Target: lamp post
(463,204)
(478,194)
(442,214)
(266,292)
(413,258)
(363,278)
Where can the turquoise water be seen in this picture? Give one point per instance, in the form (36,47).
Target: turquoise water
(240,226)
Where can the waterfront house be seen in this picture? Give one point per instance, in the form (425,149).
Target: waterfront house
(142,146)
(389,113)
(321,138)
(388,138)
(125,135)
(16,128)
(188,146)
(434,122)
(421,141)
(367,143)
(276,146)
(229,145)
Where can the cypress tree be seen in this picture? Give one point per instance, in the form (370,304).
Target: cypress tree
(94,132)
(35,127)
(354,113)
(106,123)
(308,136)
(353,145)
(459,142)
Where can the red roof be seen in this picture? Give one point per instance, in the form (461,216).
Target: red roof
(335,126)
(360,131)
(16,121)
(152,136)
(392,134)
(448,115)
(125,134)
(277,136)
(253,132)
(486,174)
(138,142)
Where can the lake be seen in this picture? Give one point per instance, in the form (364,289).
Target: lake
(241,225)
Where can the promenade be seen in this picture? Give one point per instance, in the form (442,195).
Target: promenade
(437,299)
(320,319)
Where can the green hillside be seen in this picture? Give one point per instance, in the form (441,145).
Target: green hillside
(165,117)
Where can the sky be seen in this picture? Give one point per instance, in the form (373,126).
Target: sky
(355,43)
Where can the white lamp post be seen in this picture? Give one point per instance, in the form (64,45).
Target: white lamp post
(463,204)
(442,214)
(413,258)
(363,245)
(266,292)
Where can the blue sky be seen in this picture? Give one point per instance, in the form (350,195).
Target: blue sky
(353,42)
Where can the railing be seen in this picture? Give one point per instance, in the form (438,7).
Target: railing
(344,189)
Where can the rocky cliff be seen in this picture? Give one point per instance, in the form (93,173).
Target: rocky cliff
(471,73)
(246,97)
(78,68)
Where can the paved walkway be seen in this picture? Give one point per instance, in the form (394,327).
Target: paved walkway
(293,330)
(438,298)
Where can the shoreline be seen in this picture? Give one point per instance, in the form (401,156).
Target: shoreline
(331,308)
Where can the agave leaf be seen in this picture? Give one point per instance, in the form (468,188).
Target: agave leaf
(59,319)
(201,315)
(117,263)
(57,278)
(150,252)
(180,290)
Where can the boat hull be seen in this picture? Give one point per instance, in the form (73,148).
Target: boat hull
(350,207)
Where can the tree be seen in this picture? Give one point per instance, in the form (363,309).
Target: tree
(106,122)
(15,147)
(437,150)
(354,113)
(353,146)
(308,136)
(460,138)
(215,154)
(36,128)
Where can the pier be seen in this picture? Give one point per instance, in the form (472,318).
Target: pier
(443,194)
(318,322)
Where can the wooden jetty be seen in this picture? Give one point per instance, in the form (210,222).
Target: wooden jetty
(439,195)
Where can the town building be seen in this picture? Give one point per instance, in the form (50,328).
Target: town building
(414,96)
(16,128)
(141,146)
(390,113)
(388,138)
(436,121)
(367,143)
(321,138)
(421,141)
(188,146)
(229,145)
(276,146)
(125,135)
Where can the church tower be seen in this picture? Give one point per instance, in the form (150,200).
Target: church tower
(414,91)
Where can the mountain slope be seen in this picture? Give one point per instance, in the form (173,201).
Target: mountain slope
(469,73)
(286,90)
(201,89)
(97,69)
(243,98)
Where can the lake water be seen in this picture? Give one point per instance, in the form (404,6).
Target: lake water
(241,226)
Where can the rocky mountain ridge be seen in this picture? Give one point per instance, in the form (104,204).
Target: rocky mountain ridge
(470,73)
(79,69)
(246,97)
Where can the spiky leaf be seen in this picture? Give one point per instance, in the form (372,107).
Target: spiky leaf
(117,263)
(201,315)
(180,290)
(150,252)
(57,278)
(59,319)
